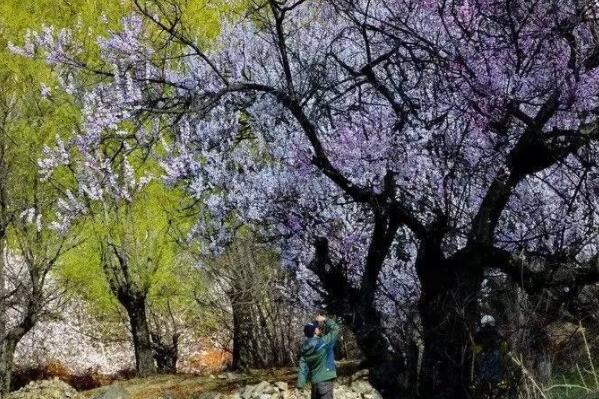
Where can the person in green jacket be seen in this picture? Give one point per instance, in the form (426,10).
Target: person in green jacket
(317,358)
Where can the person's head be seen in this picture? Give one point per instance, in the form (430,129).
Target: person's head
(312,329)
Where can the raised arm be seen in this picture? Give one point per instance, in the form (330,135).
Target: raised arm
(332,332)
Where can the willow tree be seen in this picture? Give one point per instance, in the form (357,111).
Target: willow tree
(34,109)
(103,193)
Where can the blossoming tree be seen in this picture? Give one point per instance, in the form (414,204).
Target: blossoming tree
(365,136)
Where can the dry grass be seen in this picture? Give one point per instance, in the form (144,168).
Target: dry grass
(584,385)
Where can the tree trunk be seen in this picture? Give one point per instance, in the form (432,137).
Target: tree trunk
(386,366)
(12,338)
(449,311)
(413,367)
(140,331)
(242,353)
(7,353)
(166,354)
(445,364)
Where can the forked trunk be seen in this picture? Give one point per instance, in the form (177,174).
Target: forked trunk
(166,354)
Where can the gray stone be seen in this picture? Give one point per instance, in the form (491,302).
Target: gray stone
(282,386)
(247,392)
(231,376)
(263,388)
(361,387)
(343,392)
(113,392)
(360,375)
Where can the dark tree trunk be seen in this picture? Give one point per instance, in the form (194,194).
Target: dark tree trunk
(140,332)
(166,354)
(13,336)
(133,297)
(413,367)
(9,344)
(236,362)
(386,366)
(449,311)
(242,341)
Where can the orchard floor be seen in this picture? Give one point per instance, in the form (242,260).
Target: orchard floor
(181,386)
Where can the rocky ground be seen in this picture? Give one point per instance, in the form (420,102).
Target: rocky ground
(225,386)
(356,387)
(48,389)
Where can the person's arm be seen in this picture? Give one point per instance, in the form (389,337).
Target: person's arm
(302,373)
(332,334)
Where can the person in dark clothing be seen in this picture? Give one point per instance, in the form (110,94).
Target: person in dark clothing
(317,358)
(490,364)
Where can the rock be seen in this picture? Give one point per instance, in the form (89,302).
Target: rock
(361,387)
(282,386)
(46,389)
(301,394)
(247,392)
(360,375)
(263,388)
(231,376)
(343,392)
(113,392)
